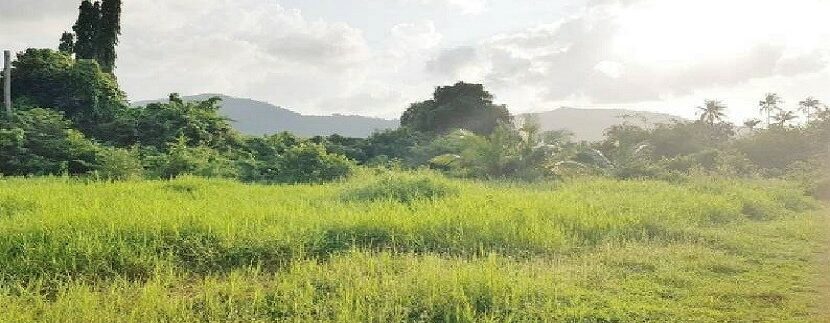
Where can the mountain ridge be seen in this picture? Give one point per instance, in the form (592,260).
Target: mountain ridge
(255,117)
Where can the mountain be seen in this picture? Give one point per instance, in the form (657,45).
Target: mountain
(257,118)
(590,124)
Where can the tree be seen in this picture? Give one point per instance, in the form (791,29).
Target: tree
(771,103)
(461,106)
(85,28)
(810,106)
(86,95)
(106,34)
(67,44)
(198,123)
(712,112)
(783,117)
(776,148)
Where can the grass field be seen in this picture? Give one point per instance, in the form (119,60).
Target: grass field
(407,247)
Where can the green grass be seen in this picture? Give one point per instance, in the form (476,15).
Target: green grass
(406,247)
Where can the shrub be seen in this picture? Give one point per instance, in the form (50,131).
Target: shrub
(310,163)
(182,159)
(290,162)
(401,187)
(118,164)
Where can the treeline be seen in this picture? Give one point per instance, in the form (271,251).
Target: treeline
(73,119)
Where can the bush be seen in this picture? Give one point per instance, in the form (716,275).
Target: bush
(310,163)
(118,164)
(182,159)
(401,187)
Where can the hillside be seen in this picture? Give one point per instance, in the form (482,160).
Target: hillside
(589,124)
(257,118)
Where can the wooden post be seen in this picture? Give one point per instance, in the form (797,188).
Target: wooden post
(7,82)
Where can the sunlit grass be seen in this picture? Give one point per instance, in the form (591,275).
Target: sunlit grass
(393,247)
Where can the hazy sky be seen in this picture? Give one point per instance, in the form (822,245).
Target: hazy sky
(373,57)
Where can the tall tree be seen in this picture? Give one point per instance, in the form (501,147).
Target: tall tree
(771,103)
(810,106)
(712,112)
(85,28)
(67,44)
(460,106)
(107,32)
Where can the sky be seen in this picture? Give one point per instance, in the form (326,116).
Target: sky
(375,57)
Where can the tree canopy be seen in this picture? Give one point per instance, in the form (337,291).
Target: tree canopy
(460,106)
(96,33)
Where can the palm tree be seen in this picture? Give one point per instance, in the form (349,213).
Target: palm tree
(783,117)
(751,124)
(712,111)
(771,103)
(809,106)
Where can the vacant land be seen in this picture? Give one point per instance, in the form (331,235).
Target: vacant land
(407,247)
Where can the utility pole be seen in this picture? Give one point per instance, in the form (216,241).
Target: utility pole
(7,82)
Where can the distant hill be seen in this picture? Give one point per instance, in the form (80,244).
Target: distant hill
(258,118)
(590,124)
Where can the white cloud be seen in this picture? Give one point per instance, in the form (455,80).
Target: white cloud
(470,7)
(252,48)
(653,54)
(465,7)
(414,38)
(647,51)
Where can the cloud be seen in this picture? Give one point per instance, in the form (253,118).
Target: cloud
(609,52)
(409,37)
(618,52)
(465,7)
(253,48)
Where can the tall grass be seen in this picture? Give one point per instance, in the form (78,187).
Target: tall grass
(411,247)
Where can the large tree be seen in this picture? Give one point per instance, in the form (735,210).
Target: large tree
(89,16)
(96,33)
(78,88)
(461,106)
(106,37)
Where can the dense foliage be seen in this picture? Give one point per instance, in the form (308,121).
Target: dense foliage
(461,106)
(96,33)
